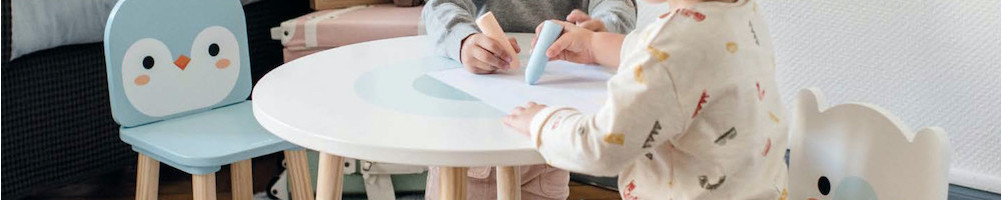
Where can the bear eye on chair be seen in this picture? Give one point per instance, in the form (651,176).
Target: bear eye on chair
(823,185)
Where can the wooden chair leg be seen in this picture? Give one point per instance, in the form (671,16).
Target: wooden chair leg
(204,186)
(453,183)
(147,178)
(329,177)
(241,180)
(299,174)
(509,185)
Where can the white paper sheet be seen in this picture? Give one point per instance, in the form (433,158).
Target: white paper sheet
(563,84)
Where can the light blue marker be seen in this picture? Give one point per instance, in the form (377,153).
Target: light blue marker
(538,61)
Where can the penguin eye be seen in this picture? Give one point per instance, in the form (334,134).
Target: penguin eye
(213,49)
(148,62)
(823,185)
(215,42)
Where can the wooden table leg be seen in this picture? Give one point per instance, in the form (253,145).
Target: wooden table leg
(453,183)
(204,186)
(509,183)
(241,181)
(147,177)
(299,174)
(329,177)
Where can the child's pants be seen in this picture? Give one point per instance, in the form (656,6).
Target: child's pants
(538,182)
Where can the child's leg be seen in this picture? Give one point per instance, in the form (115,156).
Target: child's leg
(480,183)
(544,182)
(538,182)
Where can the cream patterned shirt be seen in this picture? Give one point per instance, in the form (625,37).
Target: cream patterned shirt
(693,112)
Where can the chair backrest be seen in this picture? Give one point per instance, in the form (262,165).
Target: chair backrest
(172,58)
(861,151)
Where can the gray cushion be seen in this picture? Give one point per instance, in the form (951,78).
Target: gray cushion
(43,24)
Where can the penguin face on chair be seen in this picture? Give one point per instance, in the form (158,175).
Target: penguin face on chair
(165,62)
(158,82)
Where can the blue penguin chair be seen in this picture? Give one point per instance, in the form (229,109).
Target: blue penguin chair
(178,79)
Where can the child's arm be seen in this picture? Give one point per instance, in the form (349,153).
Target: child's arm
(448,22)
(642,112)
(583,46)
(451,24)
(616,16)
(606,48)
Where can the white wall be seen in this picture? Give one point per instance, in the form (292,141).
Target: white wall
(932,63)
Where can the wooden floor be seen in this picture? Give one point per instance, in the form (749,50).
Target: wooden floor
(176,185)
(583,191)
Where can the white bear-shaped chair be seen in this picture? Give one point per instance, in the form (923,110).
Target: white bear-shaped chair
(861,151)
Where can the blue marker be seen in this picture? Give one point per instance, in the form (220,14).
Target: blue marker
(538,61)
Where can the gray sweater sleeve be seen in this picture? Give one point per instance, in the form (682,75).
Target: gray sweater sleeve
(447,22)
(618,16)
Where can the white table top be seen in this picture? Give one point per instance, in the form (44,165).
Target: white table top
(372,101)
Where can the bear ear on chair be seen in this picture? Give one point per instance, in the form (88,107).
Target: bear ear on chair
(806,106)
(862,151)
(940,149)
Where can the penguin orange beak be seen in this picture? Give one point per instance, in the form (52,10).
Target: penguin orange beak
(182,62)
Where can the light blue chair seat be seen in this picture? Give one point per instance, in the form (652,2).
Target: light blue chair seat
(201,143)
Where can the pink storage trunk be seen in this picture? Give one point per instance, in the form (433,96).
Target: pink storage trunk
(327,29)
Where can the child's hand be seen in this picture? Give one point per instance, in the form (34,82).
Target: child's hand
(482,55)
(581,19)
(520,117)
(574,44)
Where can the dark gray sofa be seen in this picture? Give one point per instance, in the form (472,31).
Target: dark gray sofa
(57,126)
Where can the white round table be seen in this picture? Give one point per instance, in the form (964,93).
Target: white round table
(372,101)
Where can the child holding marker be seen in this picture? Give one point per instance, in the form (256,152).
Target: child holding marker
(451,24)
(692,113)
